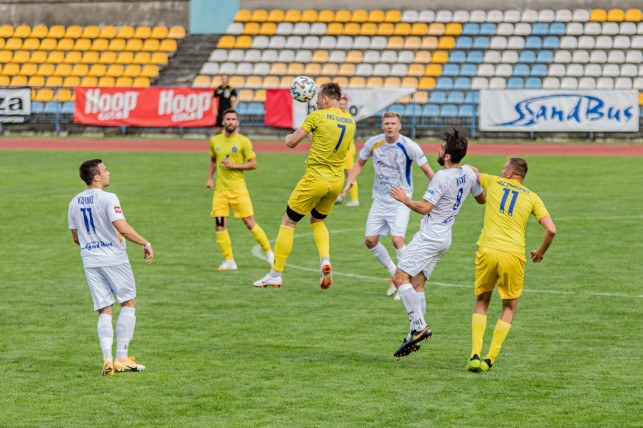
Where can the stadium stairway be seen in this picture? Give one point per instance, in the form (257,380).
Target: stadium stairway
(184,66)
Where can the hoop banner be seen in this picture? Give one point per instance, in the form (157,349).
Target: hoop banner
(15,102)
(559,110)
(144,107)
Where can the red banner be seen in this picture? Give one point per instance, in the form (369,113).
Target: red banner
(144,107)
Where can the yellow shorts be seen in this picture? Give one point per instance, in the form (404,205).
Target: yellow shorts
(501,267)
(312,192)
(238,199)
(350,157)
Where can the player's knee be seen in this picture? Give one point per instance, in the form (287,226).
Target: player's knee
(220,222)
(294,216)
(317,215)
(371,241)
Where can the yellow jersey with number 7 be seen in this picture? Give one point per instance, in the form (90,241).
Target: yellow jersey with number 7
(333,132)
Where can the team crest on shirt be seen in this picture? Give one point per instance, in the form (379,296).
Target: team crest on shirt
(234,149)
(117,210)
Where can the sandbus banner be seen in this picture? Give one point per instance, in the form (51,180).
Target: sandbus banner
(144,107)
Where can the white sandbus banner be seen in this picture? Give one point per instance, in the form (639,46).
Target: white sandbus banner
(15,104)
(559,110)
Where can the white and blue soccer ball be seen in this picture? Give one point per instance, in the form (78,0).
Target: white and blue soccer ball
(303,89)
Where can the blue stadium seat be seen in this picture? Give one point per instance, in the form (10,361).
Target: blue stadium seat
(464,43)
(527,57)
(540,29)
(521,70)
(481,43)
(242,108)
(68,108)
(462,84)
(470,29)
(533,83)
(545,57)
(430,110)
(37,107)
(448,110)
(557,29)
(451,70)
(469,70)
(437,97)
(515,83)
(413,110)
(488,29)
(255,109)
(539,70)
(533,42)
(444,84)
(457,57)
(465,111)
(397,108)
(472,97)
(455,97)
(51,107)
(474,57)
(551,42)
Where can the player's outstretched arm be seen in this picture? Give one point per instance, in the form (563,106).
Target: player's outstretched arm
(352,176)
(292,140)
(421,207)
(428,171)
(548,238)
(130,234)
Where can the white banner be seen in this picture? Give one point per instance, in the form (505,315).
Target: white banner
(15,102)
(559,110)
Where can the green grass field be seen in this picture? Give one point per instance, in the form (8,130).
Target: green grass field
(220,353)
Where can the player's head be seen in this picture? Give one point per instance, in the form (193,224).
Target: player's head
(453,148)
(329,95)
(230,121)
(391,125)
(94,171)
(343,103)
(224,79)
(515,168)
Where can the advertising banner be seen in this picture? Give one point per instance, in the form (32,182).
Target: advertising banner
(559,110)
(15,105)
(144,107)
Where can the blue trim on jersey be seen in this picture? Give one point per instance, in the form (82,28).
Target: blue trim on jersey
(409,163)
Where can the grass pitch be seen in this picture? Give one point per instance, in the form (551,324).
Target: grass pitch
(220,353)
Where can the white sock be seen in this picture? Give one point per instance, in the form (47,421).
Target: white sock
(422,297)
(105,335)
(381,254)
(411,302)
(399,252)
(124,331)
(274,273)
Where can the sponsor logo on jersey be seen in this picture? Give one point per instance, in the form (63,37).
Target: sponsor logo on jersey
(117,210)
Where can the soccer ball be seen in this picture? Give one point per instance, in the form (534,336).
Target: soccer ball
(303,89)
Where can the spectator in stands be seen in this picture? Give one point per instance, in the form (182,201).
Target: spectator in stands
(226,98)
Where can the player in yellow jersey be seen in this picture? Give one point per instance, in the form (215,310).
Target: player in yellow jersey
(232,154)
(332,133)
(501,254)
(349,162)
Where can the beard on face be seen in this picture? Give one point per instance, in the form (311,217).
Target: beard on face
(441,161)
(230,128)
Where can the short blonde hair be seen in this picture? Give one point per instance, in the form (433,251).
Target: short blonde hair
(392,114)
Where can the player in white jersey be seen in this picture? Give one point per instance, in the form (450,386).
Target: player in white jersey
(393,157)
(98,226)
(441,203)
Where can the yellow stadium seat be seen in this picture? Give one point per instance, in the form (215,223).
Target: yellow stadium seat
(242,42)
(402,29)
(426,83)
(159,32)
(312,69)
(150,71)
(142,32)
(39,31)
(97,70)
(55,57)
(309,16)
(29,69)
(176,32)
(259,15)
(6,31)
(5,56)
(276,15)
(393,16)
(284,82)
(440,57)
(292,16)
(106,82)
(107,57)
(56,32)
(54,81)
(376,16)
(409,82)
(341,81)
(125,32)
(446,42)
(20,57)
(48,44)
(99,45)
(419,29)
(640,98)
(1,43)
(89,57)
(320,56)
(132,70)
(36,81)
(405,99)
(38,57)
(343,16)
(357,83)
(201,81)
(367,29)
(255,82)
(243,15)
(295,69)
(64,94)
(374,82)
(134,45)
(226,42)
(5,80)
(329,69)
(260,96)
(169,45)
(114,70)
(436,29)
(634,15)
(271,81)
(116,45)
(124,58)
(90,32)
(395,42)
(246,95)
(237,81)
(80,70)
(65,44)
(429,42)
(22,31)
(416,70)
(354,57)
(268,29)
(88,81)
(326,16)
(346,70)
(278,69)
(151,45)
(13,44)
(453,29)
(598,15)
(45,70)
(71,81)
(107,32)
(319,80)
(359,16)
(412,43)
(123,82)
(141,82)
(158,58)
(335,29)
(141,58)
(73,32)
(433,70)
(616,15)
(251,28)
(31,44)
(18,81)
(82,45)
(62,70)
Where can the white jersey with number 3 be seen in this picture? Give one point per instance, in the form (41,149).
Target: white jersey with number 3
(91,214)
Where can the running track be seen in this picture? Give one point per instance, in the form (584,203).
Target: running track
(191,146)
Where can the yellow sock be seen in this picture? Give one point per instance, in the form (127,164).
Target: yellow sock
(320,233)
(260,237)
(283,246)
(499,334)
(223,239)
(478,325)
(353,192)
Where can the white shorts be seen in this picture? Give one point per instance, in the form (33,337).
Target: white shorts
(383,217)
(106,281)
(421,254)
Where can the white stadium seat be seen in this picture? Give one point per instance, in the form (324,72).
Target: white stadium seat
(587,83)
(364,70)
(303,56)
(486,70)
(218,55)
(405,57)
(244,68)
(492,57)
(634,57)
(611,70)
(277,42)
(610,28)
(622,42)
(210,68)
(260,42)
(310,42)
(371,57)
(627,28)
(593,70)
(509,57)
(235,28)
(638,83)
(294,42)
(301,29)
(399,70)
(605,83)
(495,16)
(615,56)
(551,83)
(479,83)
(512,16)
(563,15)
(639,28)
(562,57)
(522,29)
(337,57)
(252,55)
(598,57)
(236,55)
(444,16)
(461,16)
(580,57)
(557,70)
(389,57)
(529,15)
(318,28)
(604,42)
(478,16)
(629,70)
(361,42)
(575,70)
(497,83)
(285,28)
(269,55)
(327,42)
(410,16)
(505,29)
(286,56)
(381,70)
(568,42)
(580,15)
(637,42)
(345,42)
(623,83)
(261,69)
(516,43)
(378,42)
(568,83)
(426,16)
(498,42)
(592,28)
(504,70)
(227,68)
(546,15)
(586,42)
(574,29)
